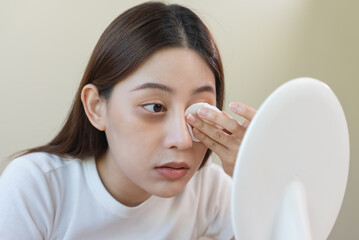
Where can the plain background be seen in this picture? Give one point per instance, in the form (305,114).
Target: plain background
(45,46)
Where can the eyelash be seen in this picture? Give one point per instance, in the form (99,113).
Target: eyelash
(163,109)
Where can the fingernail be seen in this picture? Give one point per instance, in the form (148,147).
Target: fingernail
(203,111)
(191,118)
(237,108)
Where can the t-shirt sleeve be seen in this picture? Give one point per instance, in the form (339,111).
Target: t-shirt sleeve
(216,203)
(25,202)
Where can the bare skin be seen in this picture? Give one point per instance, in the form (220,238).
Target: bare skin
(224,143)
(150,149)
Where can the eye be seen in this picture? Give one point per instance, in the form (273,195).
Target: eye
(155,108)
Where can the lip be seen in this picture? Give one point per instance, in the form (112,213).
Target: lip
(173,170)
(174,165)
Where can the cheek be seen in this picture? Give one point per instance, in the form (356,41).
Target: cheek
(131,134)
(197,152)
(202,149)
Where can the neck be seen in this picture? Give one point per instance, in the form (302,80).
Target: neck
(118,184)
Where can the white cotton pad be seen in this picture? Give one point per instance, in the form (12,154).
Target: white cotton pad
(194,108)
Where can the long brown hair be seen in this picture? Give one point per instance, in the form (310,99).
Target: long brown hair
(126,43)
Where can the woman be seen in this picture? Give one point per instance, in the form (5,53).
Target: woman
(124,165)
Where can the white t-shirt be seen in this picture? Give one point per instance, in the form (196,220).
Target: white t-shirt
(43,196)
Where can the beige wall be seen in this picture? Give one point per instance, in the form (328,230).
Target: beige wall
(45,45)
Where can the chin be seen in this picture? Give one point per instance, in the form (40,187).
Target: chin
(167,195)
(169,191)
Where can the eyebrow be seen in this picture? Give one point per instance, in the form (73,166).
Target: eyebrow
(165,88)
(206,88)
(154,86)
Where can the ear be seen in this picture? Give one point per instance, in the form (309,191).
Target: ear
(95,106)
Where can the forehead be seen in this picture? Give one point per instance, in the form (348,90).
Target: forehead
(178,68)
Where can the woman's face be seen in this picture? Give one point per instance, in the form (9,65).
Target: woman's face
(150,148)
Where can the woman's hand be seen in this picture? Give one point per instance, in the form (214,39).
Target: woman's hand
(225,143)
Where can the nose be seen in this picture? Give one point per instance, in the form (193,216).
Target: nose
(177,134)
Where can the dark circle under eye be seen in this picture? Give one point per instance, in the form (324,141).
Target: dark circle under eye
(157,107)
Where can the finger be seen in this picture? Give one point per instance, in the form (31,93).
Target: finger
(217,148)
(222,120)
(243,110)
(225,130)
(225,114)
(227,156)
(213,132)
(246,124)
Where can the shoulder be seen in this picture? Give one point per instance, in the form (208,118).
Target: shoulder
(26,195)
(31,170)
(43,161)
(38,162)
